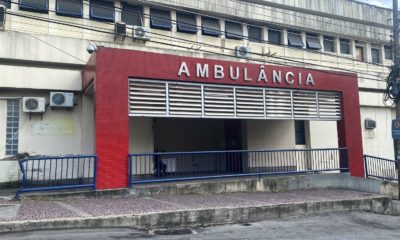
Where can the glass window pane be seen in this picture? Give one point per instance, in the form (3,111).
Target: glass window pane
(388,53)
(233,30)
(131,15)
(345,46)
(34,5)
(294,39)
(12,127)
(255,33)
(186,23)
(73,8)
(102,10)
(6,3)
(210,27)
(329,44)
(274,36)
(375,55)
(160,19)
(313,43)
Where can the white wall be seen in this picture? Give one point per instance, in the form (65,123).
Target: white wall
(141,137)
(322,134)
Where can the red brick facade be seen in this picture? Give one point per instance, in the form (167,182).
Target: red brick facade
(115,66)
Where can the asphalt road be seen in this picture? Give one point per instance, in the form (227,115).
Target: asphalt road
(348,226)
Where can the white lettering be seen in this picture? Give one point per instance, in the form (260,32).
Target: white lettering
(202,72)
(289,78)
(246,78)
(231,75)
(218,72)
(183,69)
(300,80)
(262,75)
(310,80)
(277,76)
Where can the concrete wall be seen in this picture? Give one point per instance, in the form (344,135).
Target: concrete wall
(141,135)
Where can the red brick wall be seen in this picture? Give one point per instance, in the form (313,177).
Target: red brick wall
(115,66)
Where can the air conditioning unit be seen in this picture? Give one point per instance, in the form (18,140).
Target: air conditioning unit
(140,32)
(34,104)
(61,99)
(120,29)
(243,52)
(370,124)
(3,10)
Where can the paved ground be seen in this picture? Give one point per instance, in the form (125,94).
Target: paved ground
(39,210)
(349,226)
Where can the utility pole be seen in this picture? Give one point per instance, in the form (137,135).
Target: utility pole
(396,69)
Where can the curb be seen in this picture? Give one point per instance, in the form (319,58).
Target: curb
(203,217)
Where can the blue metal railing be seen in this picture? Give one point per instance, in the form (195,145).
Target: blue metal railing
(57,173)
(380,167)
(175,166)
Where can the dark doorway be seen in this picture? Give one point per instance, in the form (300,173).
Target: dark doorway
(233,141)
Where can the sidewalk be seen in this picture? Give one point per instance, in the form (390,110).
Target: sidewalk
(180,210)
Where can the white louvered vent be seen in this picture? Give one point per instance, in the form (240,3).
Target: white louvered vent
(172,99)
(184,99)
(249,102)
(278,104)
(219,101)
(147,98)
(329,105)
(305,105)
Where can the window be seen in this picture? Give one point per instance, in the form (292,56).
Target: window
(359,53)
(131,15)
(6,3)
(12,127)
(388,53)
(160,19)
(72,8)
(102,10)
(313,41)
(329,44)
(233,30)
(255,33)
(210,27)
(294,39)
(274,36)
(186,23)
(300,132)
(41,6)
(345,46)
(375,55)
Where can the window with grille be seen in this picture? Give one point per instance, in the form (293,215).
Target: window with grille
(12,127)
(160,19)
(233,30)
(388,53)
(255,33)
(375,55)
(41,6)
(186,23)
(210,27)
(312,41)
(294,39)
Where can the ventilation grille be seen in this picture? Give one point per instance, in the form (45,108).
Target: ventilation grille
(147,98)
(170,99)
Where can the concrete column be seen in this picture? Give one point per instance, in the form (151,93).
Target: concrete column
(199,29)
(382,53)
(222,29)
(86,10)
(118,6)
(304,39)
(146,16)
(52,6)
(245,31)
(337,45)
(264,33)
(285,37)
(353,48)
(173,19)
(321,41)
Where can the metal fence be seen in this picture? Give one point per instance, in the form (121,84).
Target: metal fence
(174,166)
(57,173)
(380,167)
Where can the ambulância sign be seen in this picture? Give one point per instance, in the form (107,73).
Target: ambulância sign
(237,73)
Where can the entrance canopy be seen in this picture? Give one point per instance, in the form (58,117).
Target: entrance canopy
(201,87)
(170,99)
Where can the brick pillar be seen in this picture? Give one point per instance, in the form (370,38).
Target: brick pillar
(111,124)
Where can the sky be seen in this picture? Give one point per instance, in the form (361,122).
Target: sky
(381,3)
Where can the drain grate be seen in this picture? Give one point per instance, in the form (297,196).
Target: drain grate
(185,231)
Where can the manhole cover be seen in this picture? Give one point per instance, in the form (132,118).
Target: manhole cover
(173,231)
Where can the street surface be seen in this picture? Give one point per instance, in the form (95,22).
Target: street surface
(343,226)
